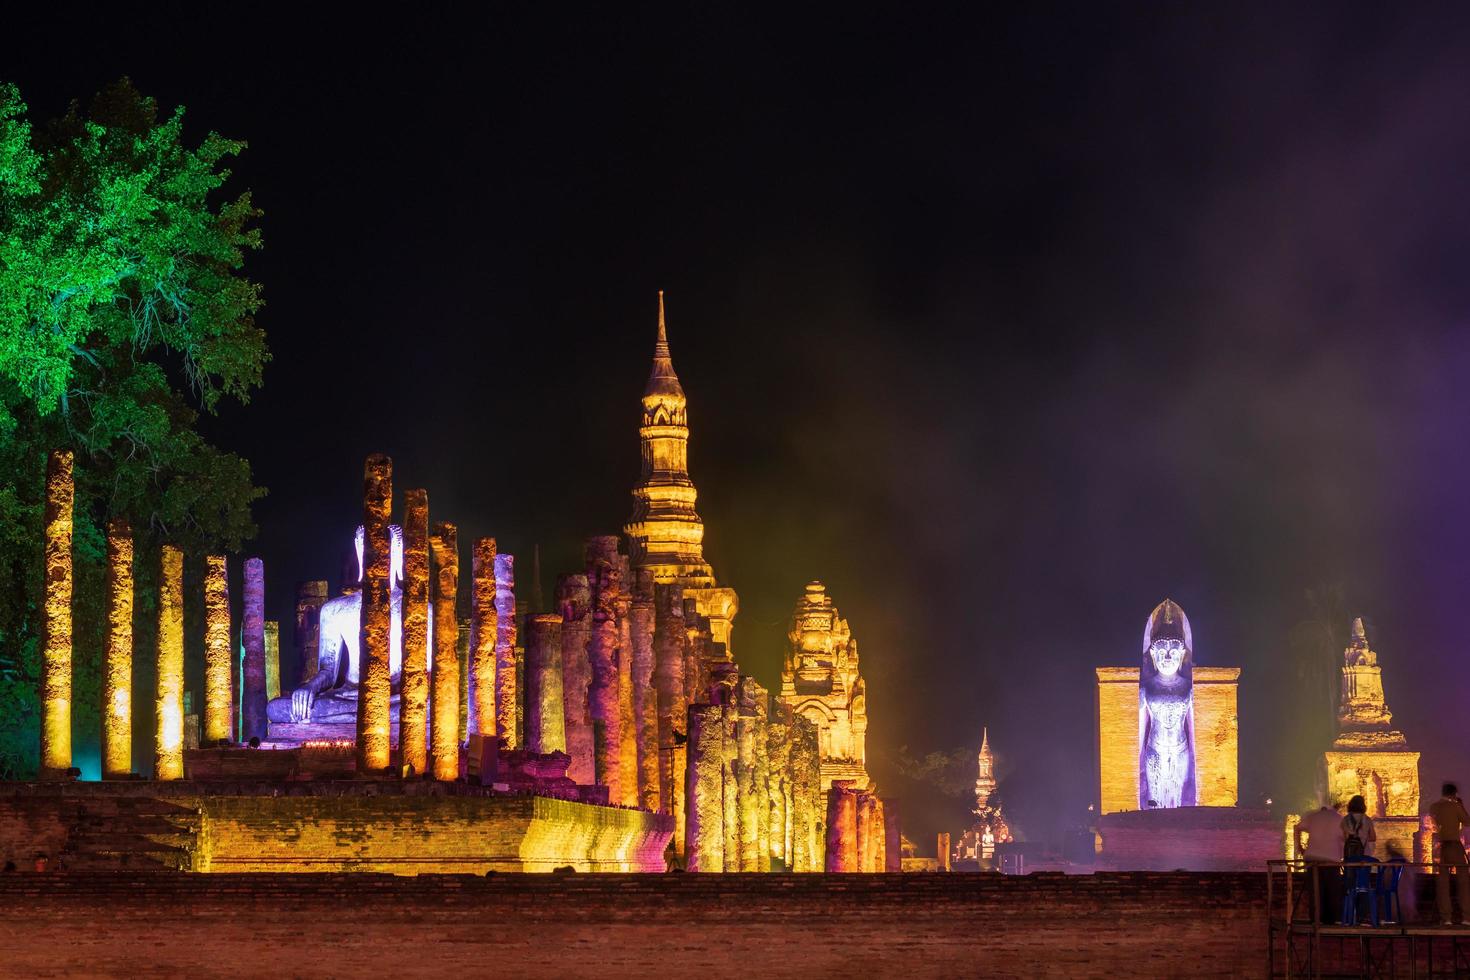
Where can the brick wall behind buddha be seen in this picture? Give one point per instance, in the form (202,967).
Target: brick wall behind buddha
(918,925)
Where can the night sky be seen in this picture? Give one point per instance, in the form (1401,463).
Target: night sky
(1006,327)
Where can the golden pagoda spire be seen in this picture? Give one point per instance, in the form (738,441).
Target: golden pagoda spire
(665,533)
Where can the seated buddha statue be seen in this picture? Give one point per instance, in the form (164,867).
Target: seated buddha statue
(330,695)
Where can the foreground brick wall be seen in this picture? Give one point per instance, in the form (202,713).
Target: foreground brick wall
(1115,925)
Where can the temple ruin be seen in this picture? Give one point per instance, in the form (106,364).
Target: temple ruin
(821,683)
(626,701)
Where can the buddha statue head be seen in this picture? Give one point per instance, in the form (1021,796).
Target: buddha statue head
(1168,646)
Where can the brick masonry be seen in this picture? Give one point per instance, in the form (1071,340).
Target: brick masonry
(402,828)
(917,925)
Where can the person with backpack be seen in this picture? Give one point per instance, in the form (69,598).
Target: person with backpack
(1358,835)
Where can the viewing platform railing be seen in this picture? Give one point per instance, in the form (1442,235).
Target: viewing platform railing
(1408,940)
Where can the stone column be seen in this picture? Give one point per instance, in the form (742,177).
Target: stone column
(670,702)
(168,756)
(696,661)
(505,649)
(375,632)
(463,649)
(572,600)
(56,619)
(842,829)
(602,652)
(117,676)
(753,771)
(730,706)
(444,735)
(704,812)
(218,696)
(310,597)
(892,836)
(272,660)
(878,849)
(484,625)
(943,851)
(778,786)
(645,700)
(867,838)
(545,718)
(252,701)
(627,722)
(808,844)
(413,700)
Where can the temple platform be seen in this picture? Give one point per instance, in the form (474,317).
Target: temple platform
(1190,838)
(384,825)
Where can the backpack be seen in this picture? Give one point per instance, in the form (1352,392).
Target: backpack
(1352,843)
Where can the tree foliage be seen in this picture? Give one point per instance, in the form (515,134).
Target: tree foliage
(124,310)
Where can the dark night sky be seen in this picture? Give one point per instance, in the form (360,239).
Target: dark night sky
(1005,326)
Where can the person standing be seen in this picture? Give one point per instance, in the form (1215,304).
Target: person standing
(1358,835)
(1323,854)
(1450,820)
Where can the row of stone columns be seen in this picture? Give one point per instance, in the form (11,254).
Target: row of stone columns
(857,838)
(429,719)
(752,783)
(626,660)
(117,685)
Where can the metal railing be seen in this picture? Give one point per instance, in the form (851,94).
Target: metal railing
(1413,944)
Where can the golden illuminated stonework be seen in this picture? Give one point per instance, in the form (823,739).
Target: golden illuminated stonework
(665,534)
(1369,758)
(821,683)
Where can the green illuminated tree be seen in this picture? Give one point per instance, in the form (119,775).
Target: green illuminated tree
(123,311)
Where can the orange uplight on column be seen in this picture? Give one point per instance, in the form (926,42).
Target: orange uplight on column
(56,619)
(117,675)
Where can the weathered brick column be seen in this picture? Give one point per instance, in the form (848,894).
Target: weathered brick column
(117,676)
(724,690)
(444,735)
(671,704)
(168,753)
(627,761)
(842,827)
(697,664)
(704,812)
(413,701)
(641,624)
(272,660)
(869,832)
(253,700)
(374,722)
(484,625)
(778,784)
(878,847)
(753,775)
(602,652)
(218,697)
(573,600)
(505,649)
(892,836)
(545,713)
(56,618)
(809,804)
(310,597)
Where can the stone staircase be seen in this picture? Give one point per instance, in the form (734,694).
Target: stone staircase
(131,833)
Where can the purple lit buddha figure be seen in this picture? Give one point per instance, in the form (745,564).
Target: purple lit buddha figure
(330,696)
(1166,711)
